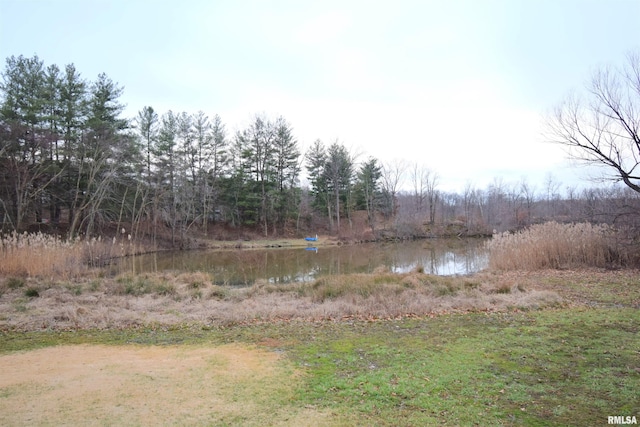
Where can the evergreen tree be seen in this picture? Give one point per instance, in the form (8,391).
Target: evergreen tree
(316,160)
(25,148)
(256,144)
(73,103)
(104,156)
(52,106)
(147,125)
(167,167)
(287,170)
(219,159)
(368,184)
(73,117)
(338,174)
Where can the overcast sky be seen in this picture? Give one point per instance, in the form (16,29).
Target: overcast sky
(461,87)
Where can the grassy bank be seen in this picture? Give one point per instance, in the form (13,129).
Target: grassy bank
(169,299)
(554,367)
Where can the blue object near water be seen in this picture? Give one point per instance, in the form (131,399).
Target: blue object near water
(311,239)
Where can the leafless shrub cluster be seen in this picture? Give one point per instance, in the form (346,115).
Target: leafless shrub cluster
(554,245)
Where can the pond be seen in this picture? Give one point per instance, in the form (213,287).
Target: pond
(242,267)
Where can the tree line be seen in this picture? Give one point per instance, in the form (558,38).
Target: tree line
(68,156)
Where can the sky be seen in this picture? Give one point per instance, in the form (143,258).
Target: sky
(460,87)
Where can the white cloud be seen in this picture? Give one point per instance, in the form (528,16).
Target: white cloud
(325,28)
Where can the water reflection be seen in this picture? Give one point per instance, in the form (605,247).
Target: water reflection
(243,267)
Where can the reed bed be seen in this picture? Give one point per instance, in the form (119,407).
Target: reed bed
(44,255)
(554,245)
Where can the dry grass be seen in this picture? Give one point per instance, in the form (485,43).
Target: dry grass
(151,385)
(43,255)
(191,298)
(554,245)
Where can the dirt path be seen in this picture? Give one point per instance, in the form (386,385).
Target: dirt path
(150,385)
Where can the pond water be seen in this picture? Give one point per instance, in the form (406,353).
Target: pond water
(283,265)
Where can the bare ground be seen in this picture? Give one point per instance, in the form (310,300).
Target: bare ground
(150,385)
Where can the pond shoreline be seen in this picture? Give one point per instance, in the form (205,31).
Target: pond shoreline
(195,242)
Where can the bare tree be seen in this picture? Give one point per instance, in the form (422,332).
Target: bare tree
(419,178)
(552,186)
(433,195)
(469,197)
(602,127)
(392,176)
(528,195)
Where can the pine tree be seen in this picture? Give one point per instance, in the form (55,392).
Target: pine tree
(316,160)
(147,125)
(368,184)
(338,174)
(105,154)
(167,167)
(287,170)
(27,138)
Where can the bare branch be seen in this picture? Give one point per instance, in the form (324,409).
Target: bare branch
(604,128)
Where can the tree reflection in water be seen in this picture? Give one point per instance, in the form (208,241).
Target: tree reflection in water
(284,265)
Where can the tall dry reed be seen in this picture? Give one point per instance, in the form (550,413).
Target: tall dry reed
(43,255)
(553,245)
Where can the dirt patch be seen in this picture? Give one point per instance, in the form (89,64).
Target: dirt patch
(187,385)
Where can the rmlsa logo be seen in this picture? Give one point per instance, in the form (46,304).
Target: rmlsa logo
(622,420)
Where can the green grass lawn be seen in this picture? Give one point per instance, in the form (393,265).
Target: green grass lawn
(550,367)
(544,368)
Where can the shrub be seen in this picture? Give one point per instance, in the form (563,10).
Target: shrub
(503,289)
(445,289)
(219,292)
(144,285)
(553,245)
(129,285)
(94,285)
(75,289)
(31,293)
(15,282)
(195,279)
(332,287)
(164,288)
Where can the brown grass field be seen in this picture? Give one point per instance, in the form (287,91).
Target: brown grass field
(167,299)
(146,385)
